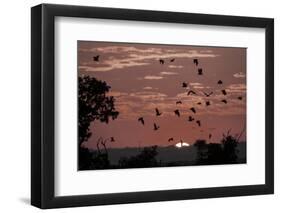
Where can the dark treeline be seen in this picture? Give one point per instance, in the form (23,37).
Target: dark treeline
(225,152)
(217,153)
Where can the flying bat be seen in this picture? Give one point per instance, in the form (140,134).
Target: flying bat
(193,109)
(191,92)
(184,84)
(208,94)
(157,112)
(141,120)
(96,58)
(190,118)
(195,61)
(223,92)
(177,112)
(224,101)
(156,127)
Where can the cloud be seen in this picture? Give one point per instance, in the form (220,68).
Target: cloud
(113,65)
(206,51)
(236,88)
(239,75)
(198,87)
(148,95)
(168,73)
(147,88)
(175,66)
(117,93)
(195,84)
(134,56)
(118,49)
(152,77)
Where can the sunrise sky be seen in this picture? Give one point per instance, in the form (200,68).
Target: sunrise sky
(140,84)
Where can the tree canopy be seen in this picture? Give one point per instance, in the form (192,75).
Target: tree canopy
(93,105)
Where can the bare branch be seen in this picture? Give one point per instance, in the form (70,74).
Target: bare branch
(241,133)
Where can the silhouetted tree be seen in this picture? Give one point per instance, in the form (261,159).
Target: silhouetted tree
(93,105)
(215,154)
(146,158)
(202,149)
(100,161)
(230,144)
(85,158)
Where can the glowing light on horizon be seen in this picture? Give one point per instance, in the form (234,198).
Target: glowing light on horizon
(181,144)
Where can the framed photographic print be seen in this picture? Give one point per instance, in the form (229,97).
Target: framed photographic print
(139,106)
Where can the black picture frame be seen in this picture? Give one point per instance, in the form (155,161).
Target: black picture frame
(43,105)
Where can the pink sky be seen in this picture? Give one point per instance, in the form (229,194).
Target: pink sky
(140,83)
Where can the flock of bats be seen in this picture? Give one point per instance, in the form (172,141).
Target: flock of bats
(190,92)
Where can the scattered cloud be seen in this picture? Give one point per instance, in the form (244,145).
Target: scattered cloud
(168,73)
(206,51)
(175,66)
(153,77)
(147,88)
(149,95)
(198,87)
(119,49)
(236,88)
(116,93)
(111,65)
(119,57)
(239,75)
(195,84)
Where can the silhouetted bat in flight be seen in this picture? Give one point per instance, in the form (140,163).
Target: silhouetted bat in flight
(96,58)
(224,101)
(219,81)
(208,94)
(193,109)
(177,112)
(141,120)
(191,92)
(156,127)
(190,118)
(195,61)
(157,112)
(224,92)
(184,84)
